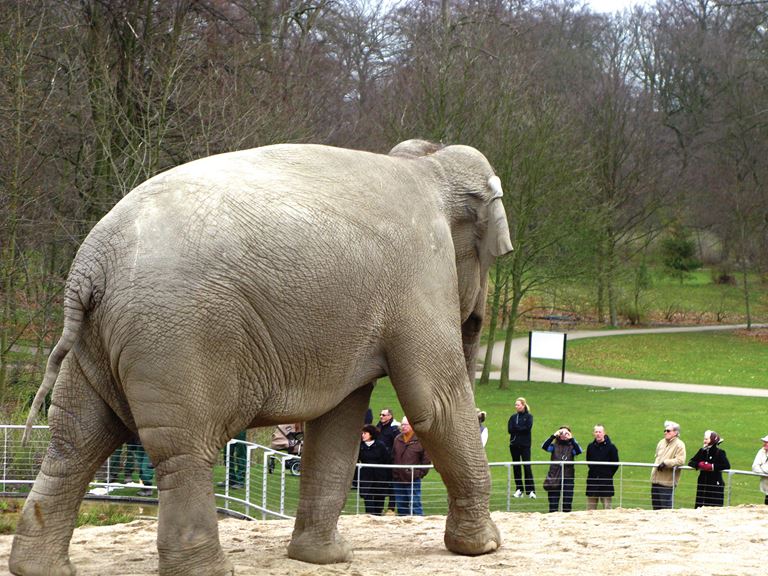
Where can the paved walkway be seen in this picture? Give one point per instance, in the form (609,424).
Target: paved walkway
(519,364)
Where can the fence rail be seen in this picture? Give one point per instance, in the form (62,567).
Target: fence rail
(253,481)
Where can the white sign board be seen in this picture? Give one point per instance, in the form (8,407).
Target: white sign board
(549,345)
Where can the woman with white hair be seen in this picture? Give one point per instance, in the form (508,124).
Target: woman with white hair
(710,461)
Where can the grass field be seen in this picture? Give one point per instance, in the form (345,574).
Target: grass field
(634,420)
(712,358)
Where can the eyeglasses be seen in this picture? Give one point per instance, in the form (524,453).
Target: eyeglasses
(383,414)
(668,430)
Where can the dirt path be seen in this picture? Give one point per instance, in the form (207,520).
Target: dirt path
(519,364)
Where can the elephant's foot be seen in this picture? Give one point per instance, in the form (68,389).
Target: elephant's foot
(203,560)
(471,536)
(28,558)
(316,550)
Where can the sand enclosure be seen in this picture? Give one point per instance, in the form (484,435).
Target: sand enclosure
(707,541)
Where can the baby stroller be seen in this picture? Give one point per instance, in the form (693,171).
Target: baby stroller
(287,438)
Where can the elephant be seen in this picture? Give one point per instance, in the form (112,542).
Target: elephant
(267,286)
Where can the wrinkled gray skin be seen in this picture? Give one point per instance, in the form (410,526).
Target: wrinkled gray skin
(266,286)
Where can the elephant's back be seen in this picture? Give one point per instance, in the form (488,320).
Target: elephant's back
(260,229)
(285,203)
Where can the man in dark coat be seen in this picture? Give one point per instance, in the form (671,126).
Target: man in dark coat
(600,476)
(388,431)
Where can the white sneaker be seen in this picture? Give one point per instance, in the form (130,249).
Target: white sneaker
(532,495)
(517,494)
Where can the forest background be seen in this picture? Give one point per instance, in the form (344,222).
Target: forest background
(625,143)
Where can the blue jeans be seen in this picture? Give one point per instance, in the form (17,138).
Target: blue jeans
(405,505)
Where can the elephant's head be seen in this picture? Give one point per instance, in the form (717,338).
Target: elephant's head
(472,202)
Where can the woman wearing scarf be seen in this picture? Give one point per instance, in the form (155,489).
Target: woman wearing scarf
(710,461)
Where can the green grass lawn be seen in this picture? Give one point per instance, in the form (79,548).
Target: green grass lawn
(714,358)
(634,419)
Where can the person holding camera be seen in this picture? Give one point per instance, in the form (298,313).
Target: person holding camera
(562,447)
(670,453)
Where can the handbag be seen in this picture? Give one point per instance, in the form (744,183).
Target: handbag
(553,480)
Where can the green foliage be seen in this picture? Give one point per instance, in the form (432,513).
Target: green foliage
(105,515)
(678,252)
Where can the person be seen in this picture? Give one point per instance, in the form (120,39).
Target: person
(146,471)
(562,447)
(483,428)
(116,467)
(373,482)
(408,451)
(368,418)
(670,453)
(760,466)
(285,438)
(519,427)
(710,461)
(237,461)
(388,429)
(600,476)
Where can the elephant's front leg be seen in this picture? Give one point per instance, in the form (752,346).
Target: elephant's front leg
(187,531)
(327,465)
(438,400)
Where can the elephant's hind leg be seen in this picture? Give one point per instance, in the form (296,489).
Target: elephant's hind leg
(328,460)
(84,432)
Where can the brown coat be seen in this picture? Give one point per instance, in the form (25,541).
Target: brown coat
(408,454)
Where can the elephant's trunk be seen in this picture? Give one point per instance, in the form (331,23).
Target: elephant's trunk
(471,329)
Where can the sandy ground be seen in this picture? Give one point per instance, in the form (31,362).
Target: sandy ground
(711,541)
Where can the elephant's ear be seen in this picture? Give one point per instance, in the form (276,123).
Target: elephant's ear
(497,241)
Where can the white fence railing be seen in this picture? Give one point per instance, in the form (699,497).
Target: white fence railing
(254,481)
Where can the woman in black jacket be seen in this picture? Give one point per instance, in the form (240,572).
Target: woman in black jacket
(373,482)
(519,428)
(600,476)
(710,461)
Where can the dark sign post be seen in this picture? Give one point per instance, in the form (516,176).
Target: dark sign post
(547,345)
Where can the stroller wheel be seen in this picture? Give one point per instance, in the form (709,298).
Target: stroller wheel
(295,467)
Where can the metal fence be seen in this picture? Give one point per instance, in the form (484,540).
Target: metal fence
(254,481)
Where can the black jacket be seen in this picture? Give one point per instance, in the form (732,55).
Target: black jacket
(519,428)
(600,476)
(372,480)
(710,489)
(387,434)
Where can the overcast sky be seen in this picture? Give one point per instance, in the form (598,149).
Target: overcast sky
(613,5)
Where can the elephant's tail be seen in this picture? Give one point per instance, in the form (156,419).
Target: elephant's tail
(79,296)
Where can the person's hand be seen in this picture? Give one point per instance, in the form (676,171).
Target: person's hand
(706,466)
(661,466)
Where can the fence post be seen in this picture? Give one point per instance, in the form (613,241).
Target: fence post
(621,486)
(5,457)
(410,506)
(264,473)
(247,478)
(730,487)
(674,485)
(358,471)
(509,487)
